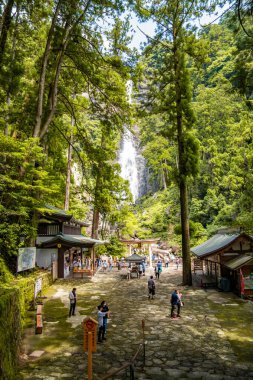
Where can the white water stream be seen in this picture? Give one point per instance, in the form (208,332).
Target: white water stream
(128,163)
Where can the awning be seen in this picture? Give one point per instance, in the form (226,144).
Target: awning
(239,262)
(72,241)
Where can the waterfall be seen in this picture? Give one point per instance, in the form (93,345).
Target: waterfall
(128,163)
(133,166)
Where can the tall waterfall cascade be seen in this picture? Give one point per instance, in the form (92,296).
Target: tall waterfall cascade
(133,166)
(128,163)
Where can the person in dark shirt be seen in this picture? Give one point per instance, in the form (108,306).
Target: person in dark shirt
(105,309)
(151,288)
(175,302)
(72,299)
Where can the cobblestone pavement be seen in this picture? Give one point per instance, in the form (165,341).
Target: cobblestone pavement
(193,347)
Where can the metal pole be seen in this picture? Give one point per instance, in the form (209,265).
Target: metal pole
(89,355)
(131,372)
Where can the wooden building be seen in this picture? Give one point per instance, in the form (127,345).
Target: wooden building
(60,242)
(228,260)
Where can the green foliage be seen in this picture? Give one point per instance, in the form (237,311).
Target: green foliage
(5,275)
(115,247)
(10,331)
(24,184)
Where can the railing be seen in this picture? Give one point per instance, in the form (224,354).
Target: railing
(131,364)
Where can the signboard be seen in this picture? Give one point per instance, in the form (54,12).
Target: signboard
(90,325)
(248,281)
(26,258)
(37,287)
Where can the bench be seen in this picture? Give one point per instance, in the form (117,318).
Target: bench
(39,323)
(206,285)
(83,272)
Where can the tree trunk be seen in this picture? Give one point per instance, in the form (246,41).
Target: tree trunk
(41,91)
(41,126)
(164,179)
(187,274)
(68,179)
(5,26)
(178,66)
(95,223)
(54,93)
(13,57)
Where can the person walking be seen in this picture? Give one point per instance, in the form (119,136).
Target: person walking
(157,273)
(143,267)
(105,309)
(101,328)
(140,269)
(72,299)
(110,264)
(175,302)
(166,260)
(105,265)
(160,268)
(151,288)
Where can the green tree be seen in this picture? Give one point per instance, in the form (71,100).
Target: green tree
(171,94)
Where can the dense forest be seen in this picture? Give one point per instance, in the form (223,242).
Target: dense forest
(64,66)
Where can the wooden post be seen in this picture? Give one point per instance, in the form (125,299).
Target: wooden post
(150,256)
(89,355)
(89,342)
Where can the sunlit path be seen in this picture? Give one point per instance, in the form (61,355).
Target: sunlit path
(194,347)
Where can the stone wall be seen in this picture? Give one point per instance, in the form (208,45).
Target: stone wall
(10,331)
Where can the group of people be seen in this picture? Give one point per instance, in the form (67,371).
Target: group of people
(175,299)
(103,314)
(103,309)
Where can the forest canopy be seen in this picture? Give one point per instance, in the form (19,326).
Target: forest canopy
(64,106)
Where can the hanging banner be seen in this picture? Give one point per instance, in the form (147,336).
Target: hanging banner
(248,281)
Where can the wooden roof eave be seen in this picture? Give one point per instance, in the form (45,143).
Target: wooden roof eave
(222,250)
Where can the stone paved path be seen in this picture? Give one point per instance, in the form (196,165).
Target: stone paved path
(193,347)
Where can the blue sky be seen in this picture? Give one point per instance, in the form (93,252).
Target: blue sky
(149,27)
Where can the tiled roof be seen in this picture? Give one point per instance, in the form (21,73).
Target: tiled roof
(134,257)
(214,244)
(74,240)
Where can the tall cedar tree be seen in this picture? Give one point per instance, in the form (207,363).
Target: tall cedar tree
(171,95)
